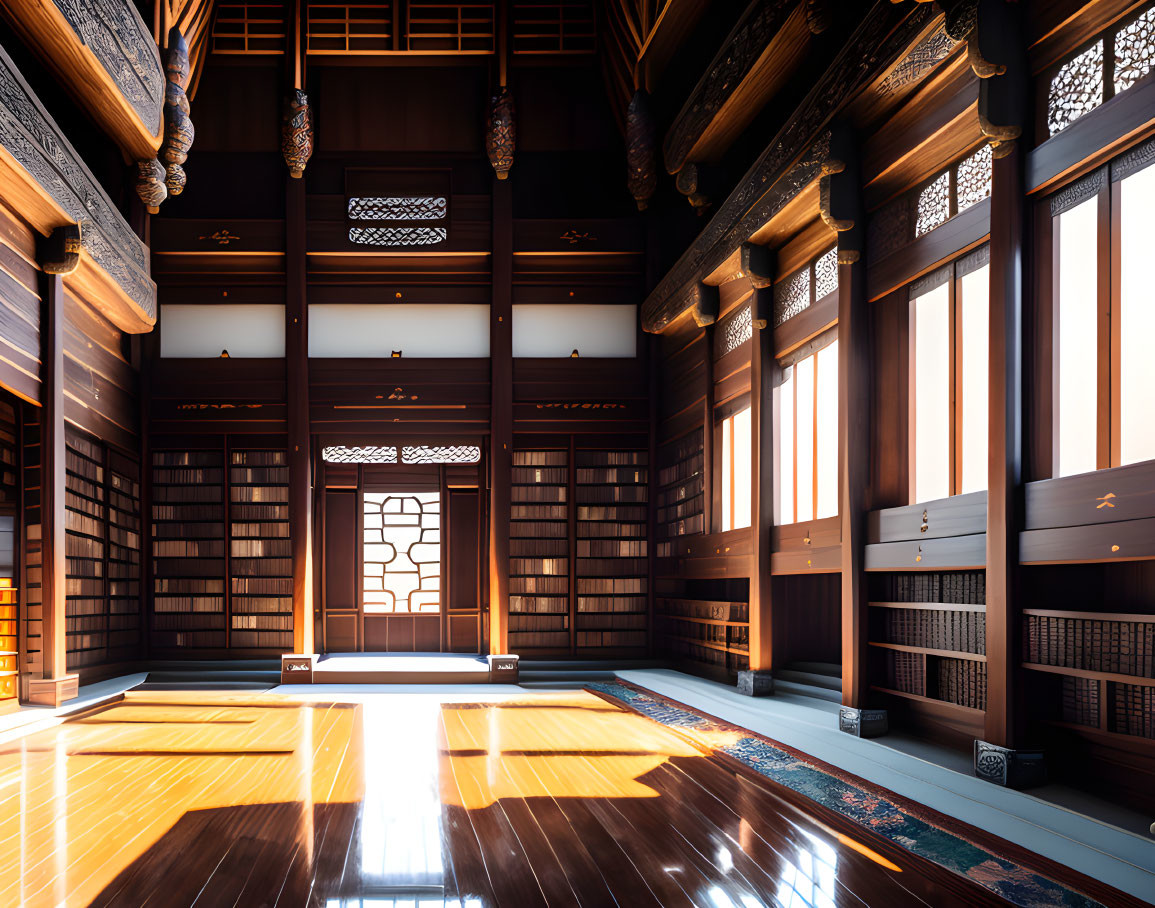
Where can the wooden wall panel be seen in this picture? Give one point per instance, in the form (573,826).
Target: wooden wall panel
(888,441)
(557,396)
(19,308)
(217,396)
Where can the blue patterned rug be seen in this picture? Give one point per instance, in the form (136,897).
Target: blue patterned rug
(872,808)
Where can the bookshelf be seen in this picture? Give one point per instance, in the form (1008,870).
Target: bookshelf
(9,641)
(188,549)
(680,509)
(87,609)
(9,486)
(927,636)
(539,553)
(612,566)
(124,547)
(1106,664)
(710,634)
(260,553)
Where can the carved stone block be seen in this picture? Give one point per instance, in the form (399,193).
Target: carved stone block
(297,133)
(501,132)
(863,723)
(297,668)
(755,683)
(1008,767)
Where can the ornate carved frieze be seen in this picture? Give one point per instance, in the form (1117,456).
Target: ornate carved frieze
(38,146)
(119,39)
(793,160)
(917,64)
(397,236)
(501,132)
(741,50)
(297,133)
(641,167)
(178,127)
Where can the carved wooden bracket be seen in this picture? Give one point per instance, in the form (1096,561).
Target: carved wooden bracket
(758,264)
(699,183)
(997,41)
(178,127)
(641,150)
(150,185)
(60,250)
(501,132)
(297,133)
(706,302)
(840,195)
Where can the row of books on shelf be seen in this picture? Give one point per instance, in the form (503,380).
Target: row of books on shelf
(706,609)
(1117,647)
(612,458)
(963,587)
(961,681)
(251,475)
(590,529)
(539,566)
(544,512)
(262,622)
(189,515)
(933,629)
(260,458)
(611,548)
(625,621)
(537,494)
(611,476)
(611,495)
(731,636)
(261,567)
(611,567)
(260,548)
(685,649)
(616,639)
(541,546)
(539,605)
(620,512)
(521,623)
(261,530)
(282,640)
(259,494)
(188,548)
(680,459)
(1134,710)
(611,603)
(684,518)
(538,475)
(201,494)
(539,586)
(520,641)
(187,476)
(529,531)
(669,496)
(540,458)
(211,458)
(83,504)
(1080,704)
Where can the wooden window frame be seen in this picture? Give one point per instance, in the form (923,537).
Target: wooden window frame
(783,362)
(1108,297)
(957,390)
(722,414)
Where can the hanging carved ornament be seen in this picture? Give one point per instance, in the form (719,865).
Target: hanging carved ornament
(178,127)
(150,184)
(501,132)
(297,133)
(641,150)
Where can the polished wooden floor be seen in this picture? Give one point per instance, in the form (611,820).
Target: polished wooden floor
(403,799)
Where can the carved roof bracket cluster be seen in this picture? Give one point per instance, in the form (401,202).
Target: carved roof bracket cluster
(46,182)
(793,160)
(840,194)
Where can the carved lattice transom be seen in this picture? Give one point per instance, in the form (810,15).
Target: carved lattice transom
(1076,89)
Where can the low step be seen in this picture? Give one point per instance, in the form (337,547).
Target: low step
(826,682)
(784,686)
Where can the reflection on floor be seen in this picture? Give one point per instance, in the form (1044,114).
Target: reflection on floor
(525,799)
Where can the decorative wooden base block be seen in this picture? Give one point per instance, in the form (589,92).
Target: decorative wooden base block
(297,668)
(53,691)
(1008,767)
(503,669)
(755,683)
(863,723)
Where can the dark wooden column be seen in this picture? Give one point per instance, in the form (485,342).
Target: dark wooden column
(56,685)
(709,523)
(762,490)
(853,474)
(297,400)
(501,415)
(1005,445)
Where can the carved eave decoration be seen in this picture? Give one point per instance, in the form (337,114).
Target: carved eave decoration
(44,180)
(793,162)
(105,56)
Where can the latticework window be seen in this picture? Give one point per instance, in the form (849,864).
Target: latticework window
(398,208)
(397,236)
(412,454)
(554,27)
(256,27)
(461,27)
(1134,51)
(826,274)
(1076,89)
(402,566)
(933,207)
(973,178)
(348,28)
(365,454)
(791,296)
(733,331)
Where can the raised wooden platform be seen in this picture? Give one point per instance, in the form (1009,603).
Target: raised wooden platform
(398,668)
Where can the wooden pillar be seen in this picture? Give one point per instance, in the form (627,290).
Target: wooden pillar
(708,519)
(56,685)
(501,416)
(853,474)
(297,400)
(762,489)
(1005,445)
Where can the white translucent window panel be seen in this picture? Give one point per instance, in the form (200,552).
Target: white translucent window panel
(558,330)
(932,394)
(1077,412)
(413,331)
(785,477)
(1137,320)
(204,331)
(974,304)
(826,428)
